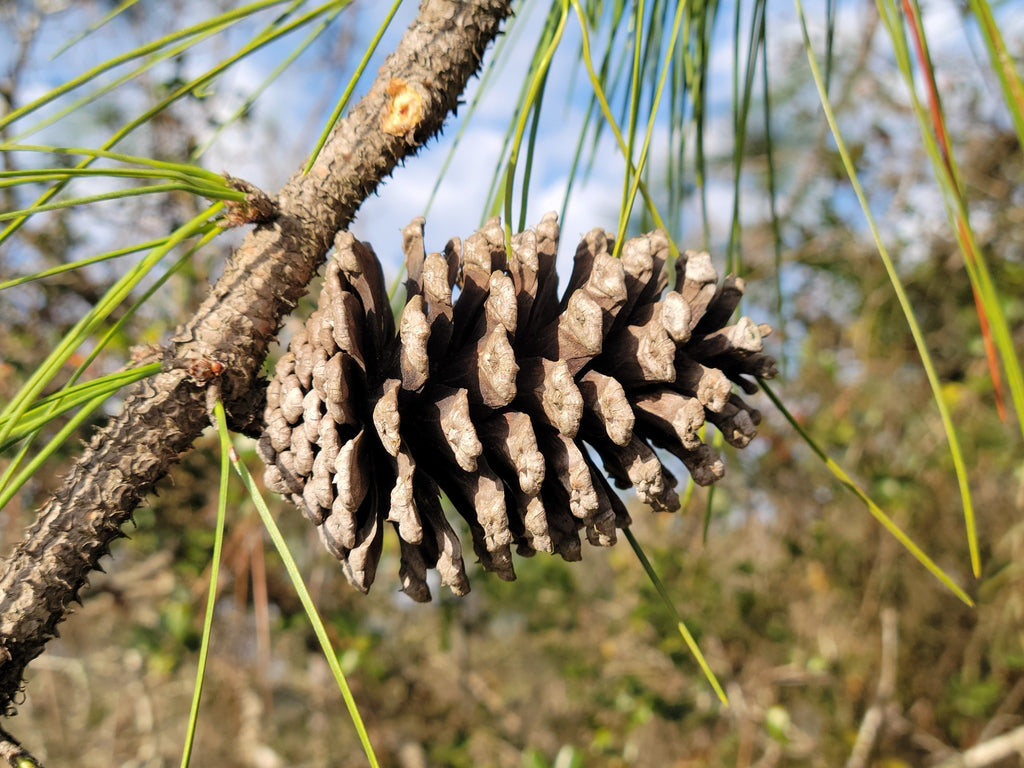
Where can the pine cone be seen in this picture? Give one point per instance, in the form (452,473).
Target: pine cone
(502,398)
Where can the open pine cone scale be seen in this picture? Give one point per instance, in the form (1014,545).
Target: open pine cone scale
(504,398)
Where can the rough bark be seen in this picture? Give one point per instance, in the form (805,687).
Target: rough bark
(415,90)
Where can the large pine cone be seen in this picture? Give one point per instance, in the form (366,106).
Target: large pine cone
(502,398)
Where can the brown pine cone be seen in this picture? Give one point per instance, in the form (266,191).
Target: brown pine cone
(504,398)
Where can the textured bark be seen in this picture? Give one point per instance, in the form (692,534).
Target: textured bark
(415,90)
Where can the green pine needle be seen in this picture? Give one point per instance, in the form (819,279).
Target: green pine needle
(303,594)
(211,595)
(156,45)
(886,521)
(680,625)
(904,302)
(342,104)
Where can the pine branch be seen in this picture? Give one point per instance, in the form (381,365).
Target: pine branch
(415,90)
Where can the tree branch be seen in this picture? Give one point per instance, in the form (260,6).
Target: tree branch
(874,718)
(989,752)
(419,84)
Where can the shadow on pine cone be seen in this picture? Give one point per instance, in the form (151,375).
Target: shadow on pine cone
(504,397)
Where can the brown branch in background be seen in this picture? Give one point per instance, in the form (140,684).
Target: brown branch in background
(415,90)
(874,718)
(989,752)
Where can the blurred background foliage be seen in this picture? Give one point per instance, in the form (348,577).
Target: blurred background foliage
(581,664)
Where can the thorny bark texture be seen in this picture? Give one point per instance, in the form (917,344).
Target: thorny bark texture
(417,87)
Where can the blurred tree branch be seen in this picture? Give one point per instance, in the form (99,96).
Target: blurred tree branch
(875,717)
(989,752)
(235,326)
